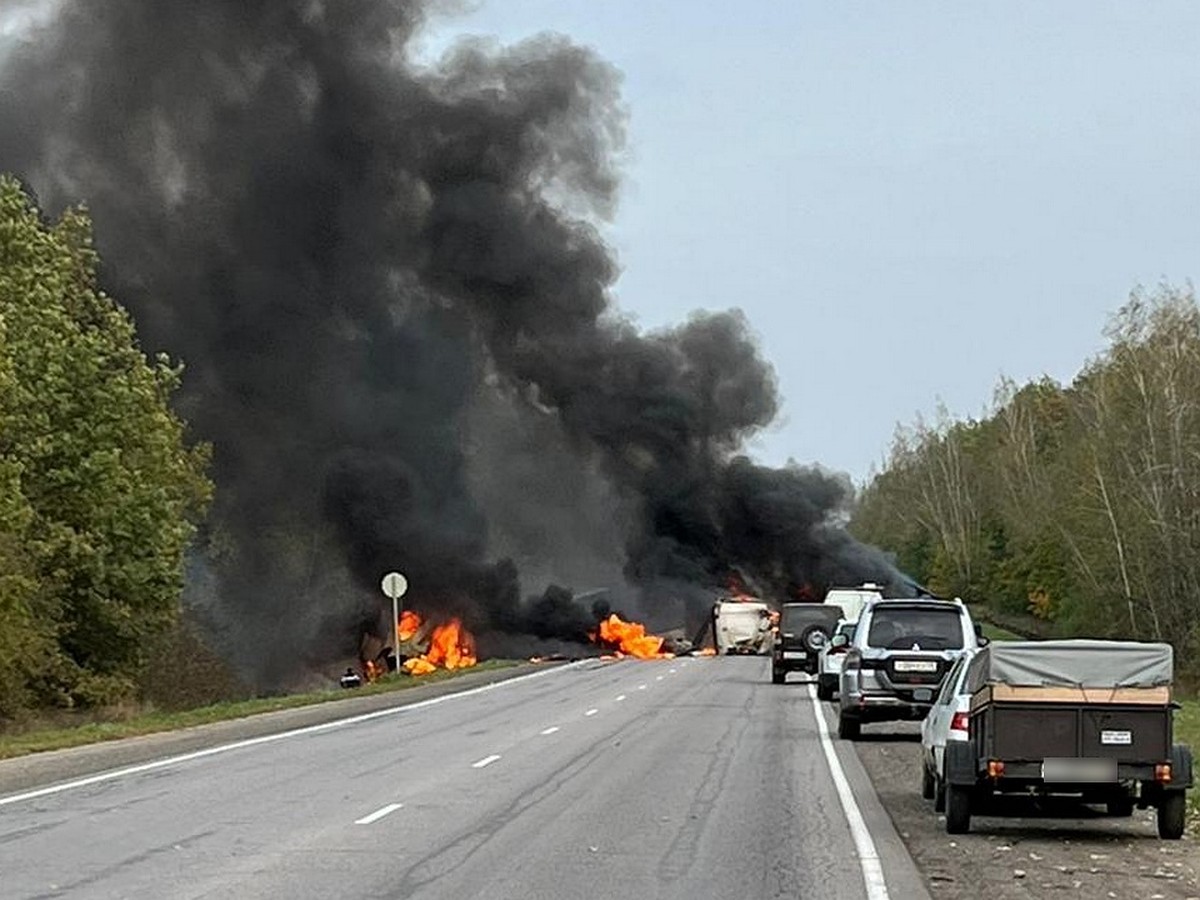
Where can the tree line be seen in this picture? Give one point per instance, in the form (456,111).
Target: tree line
(1071,510)
(100,489)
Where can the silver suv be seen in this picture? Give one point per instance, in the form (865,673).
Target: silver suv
(895,663)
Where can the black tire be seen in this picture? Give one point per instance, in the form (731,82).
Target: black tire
(848,729)
(1171,812)
(824,689)
(778,676)
(939,796)
(1120,809)
(958,809)
(926,782)
(807,634)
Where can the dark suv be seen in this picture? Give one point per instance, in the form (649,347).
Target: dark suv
(804,628)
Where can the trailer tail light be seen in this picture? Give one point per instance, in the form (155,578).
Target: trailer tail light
(1162,773)
(961,722)
(995,769)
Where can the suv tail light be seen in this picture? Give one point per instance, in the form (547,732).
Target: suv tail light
(832,650)
(961,722)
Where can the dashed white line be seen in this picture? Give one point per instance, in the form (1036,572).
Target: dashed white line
(379,814)
(641,687)
(486,761)
(114,774)
(658,678)
(672,671)
(620,697)
(868,855)
(550,730)
(591,712)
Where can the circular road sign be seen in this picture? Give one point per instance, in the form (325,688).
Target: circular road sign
(394,585)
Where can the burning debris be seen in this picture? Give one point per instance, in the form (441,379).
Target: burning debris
(450,646)
(630,639)
(386,279)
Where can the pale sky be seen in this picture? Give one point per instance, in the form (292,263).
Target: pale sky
(907,199)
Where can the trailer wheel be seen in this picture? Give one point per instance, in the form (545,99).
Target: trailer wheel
(939,796)
(848,729)
(926,782)
(1171,810)
(958,809)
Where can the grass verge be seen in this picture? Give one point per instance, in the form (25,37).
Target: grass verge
(34,739)
(1187,731)
(996,633)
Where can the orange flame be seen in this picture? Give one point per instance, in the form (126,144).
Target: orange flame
(631,639)
(407,627)
(450,647)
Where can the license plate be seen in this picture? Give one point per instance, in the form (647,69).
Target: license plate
(923,695)
(1116,738)
(794,654)
(1076,771)
(916,665)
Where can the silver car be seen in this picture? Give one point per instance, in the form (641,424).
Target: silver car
(947,721)
(901,651)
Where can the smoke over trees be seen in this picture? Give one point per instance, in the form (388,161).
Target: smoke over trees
(378,273)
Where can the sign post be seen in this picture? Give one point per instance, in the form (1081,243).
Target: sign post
(395,586)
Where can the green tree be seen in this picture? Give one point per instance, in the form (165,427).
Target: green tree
(100,491)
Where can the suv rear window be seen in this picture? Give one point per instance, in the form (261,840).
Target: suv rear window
(899,628)
(797,618)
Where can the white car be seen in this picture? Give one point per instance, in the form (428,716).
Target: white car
(947,721)
(829,661)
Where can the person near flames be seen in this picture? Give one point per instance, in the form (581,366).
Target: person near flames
(351,679)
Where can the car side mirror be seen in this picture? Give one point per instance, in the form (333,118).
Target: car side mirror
(983,641)
(839,640)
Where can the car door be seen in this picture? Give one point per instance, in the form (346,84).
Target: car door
(937,724)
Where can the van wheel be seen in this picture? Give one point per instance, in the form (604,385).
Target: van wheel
(926,782)
(958,809)
(1170,815)
(939,796)
(848,729)
(778,676)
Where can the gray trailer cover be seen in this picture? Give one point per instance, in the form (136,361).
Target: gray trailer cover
(1100,664)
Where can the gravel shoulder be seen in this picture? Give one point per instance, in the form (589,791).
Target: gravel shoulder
(1002,858)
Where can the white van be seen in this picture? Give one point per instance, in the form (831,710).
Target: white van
(742,626)
(852,600)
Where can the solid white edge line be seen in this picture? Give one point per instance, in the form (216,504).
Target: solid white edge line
(591,712)
(379,814)
(868,856)
(112,774)
(550,730)
(486,761)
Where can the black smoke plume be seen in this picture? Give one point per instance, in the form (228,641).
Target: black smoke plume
(388,287)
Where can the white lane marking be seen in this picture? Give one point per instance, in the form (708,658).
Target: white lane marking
(486,761)
(658,678)
(641,687)
(672,671)
(620,697)
(550,730)
(379,814)
(272,738)
(591,712)
(868,856)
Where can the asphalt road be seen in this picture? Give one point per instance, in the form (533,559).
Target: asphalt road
(693,778)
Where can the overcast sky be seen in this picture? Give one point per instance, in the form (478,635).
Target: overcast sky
(907,199)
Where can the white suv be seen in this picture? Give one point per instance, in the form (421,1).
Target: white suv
(829,660)
(894,665)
